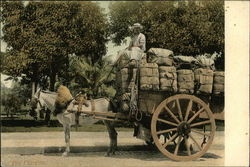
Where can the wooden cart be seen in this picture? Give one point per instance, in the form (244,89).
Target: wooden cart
(182,126)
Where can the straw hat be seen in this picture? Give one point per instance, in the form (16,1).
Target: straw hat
(136,25)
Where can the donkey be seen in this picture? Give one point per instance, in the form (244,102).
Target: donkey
(67,117)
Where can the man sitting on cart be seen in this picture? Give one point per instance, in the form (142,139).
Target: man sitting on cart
(135,50)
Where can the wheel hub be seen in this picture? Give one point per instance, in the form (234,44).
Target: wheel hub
(183,129)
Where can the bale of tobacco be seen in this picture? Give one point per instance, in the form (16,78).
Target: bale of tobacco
(203,81)
(160,56)
(218,84)
(185,80)
(149,77)
(168,78)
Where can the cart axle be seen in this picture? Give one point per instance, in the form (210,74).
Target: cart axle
(183,129)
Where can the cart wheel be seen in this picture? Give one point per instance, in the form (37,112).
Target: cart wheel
(188,136)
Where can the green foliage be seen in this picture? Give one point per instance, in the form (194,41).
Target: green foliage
(14,99)
(95,80)
(41,35)
(188,28)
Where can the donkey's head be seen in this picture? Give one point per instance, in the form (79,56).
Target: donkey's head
(35,104)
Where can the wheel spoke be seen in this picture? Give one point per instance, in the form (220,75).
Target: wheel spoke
(177,146)
(190,104)
(167,122)
(195,115)
(179,109)
(195,142)
(187,146)
(172,115)
(200,123)
(196,131)
(171,139)
(166,131)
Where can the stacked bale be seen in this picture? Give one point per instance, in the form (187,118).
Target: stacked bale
(168,78)
(122,80)
(185,62)
(167,72)
(203,80)
(162,57)
(185,81)
(149,77)
(218,86)
(205,62)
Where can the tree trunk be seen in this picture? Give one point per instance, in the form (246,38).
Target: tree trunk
(52,82)
(33,89)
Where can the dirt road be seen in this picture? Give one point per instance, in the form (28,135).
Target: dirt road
(44,149)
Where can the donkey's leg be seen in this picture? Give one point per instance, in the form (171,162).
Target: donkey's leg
(66,128)
(112,136)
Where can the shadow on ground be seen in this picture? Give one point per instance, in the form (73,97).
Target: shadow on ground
(142,152)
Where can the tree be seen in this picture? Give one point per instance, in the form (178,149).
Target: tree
(46,33)
(13,98)
(186,27)
(95,80)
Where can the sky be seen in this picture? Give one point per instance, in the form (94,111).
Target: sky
(112,49)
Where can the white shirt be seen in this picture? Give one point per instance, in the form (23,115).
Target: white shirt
(139,39)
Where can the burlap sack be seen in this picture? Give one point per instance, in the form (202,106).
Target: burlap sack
(144,72)
(219,73)
(207,89)
(149,65)
(143,59)
(184,72)
(167,69)
(218,77)
(188,91)
(145,87)
(160,52)
(203,80)
(203,71)
(155,72)
(218,88)
(205,62)
(63,98)
(169,88)
(160,56)
(149,70)
(185,59)
(149,80)
(168,75)
(155,87)
(187,78)
(167,82)
(186,85)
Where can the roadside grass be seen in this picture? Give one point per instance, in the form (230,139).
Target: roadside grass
(28,124)
(40,126)
(85,128)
